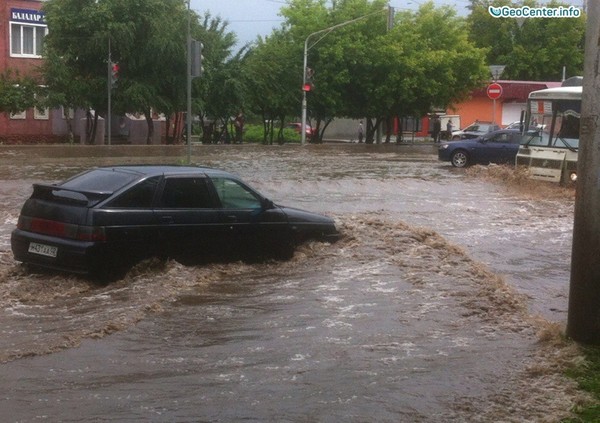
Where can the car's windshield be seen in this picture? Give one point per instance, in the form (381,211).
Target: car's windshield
(553,124)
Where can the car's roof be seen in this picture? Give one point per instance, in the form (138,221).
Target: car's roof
(155,170)
(480,122)
(489,134)
(500,131)
(505,130)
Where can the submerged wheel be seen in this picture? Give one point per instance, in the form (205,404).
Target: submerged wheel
(459,158)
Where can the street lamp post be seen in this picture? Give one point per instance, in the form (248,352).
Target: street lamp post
(188,118)
(109,87)
(307,47)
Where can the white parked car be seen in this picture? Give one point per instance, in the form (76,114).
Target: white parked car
(475,130)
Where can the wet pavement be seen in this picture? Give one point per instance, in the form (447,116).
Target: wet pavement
(429,309)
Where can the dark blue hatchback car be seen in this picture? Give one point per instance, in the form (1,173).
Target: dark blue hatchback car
(496,147)
(104,219)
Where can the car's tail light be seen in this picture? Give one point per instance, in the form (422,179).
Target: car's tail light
(61,229)
(91,233)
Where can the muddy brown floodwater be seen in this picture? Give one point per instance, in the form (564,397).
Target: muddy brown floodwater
(443,302)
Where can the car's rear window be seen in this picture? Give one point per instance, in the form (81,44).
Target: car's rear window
(106,180)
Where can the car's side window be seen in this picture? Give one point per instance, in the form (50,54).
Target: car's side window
(234,195)
(138,196)
(185,193)
(502,138)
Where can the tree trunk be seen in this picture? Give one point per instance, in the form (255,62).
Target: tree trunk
(150,123)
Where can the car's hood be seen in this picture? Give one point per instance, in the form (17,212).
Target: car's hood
(461,142)
(299,215)
(321,227)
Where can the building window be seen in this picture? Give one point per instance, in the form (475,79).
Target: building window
(26,40)
(19,116)
(41,114)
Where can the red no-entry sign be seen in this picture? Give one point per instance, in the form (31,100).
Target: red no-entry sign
(494,91)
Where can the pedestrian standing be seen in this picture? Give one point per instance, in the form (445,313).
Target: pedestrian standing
(437,128)
(360,132)
(238,123)
(449,128)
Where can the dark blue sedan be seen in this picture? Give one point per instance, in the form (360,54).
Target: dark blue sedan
(496,147)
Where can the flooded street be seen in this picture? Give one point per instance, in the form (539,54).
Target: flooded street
(437,305)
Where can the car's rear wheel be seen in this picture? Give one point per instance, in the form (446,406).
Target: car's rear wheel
(459,158)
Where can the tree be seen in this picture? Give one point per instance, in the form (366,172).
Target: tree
(219,93)
(272,82)
(17,93)
(146,38)
(531,49)
(75,68)
(362,70)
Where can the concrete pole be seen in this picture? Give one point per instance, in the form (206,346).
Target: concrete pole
(109,84)
(583,324)
(188,119)
(305,64)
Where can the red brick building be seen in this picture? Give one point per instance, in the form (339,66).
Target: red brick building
(22,30)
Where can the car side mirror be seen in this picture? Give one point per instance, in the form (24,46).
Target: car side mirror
(267,204)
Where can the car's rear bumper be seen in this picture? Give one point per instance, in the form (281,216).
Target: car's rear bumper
(71,255)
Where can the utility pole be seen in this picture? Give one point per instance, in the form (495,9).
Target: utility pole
(583,323)
(194,69)
(109,88)
(188,115)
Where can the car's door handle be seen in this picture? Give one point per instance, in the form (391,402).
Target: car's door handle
(231,218)
(167,219)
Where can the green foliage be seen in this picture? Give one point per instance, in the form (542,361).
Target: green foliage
(16,93)
(362,69)
(531,49)
(76,49)
(256,134)
(272,78)
(148,39)
(219,93)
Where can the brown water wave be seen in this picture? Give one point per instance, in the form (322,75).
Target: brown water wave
(410,318)
(43,313)
(52,311)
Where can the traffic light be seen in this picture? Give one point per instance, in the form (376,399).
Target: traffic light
(114,73)
(308,79)
(197,58)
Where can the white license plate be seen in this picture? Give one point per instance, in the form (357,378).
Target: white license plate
(43,249)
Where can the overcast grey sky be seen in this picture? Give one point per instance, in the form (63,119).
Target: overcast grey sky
(250,18)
